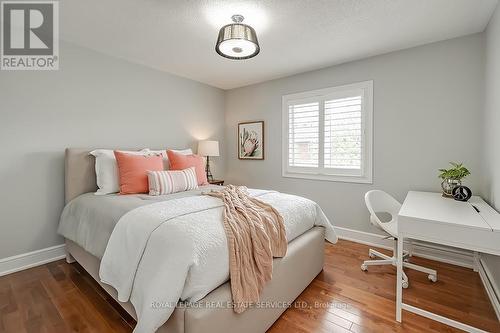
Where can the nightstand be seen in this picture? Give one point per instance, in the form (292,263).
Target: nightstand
(216,182)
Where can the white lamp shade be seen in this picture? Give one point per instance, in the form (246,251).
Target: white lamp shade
(208,148)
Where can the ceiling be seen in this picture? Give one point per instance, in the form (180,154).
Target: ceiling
(178,36)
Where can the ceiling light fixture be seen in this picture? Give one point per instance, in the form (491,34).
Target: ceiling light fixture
(237,40)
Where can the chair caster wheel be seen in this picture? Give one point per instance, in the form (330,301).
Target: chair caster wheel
(432,278)
(405,284)
(371,256)
(406,259)
(364,267)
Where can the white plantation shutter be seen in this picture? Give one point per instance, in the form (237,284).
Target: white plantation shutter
(327,134)
(343,133)
(303,135)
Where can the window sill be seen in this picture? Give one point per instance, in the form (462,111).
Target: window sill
(330,178)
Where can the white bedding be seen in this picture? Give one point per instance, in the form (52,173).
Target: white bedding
(177,249)
(89,219)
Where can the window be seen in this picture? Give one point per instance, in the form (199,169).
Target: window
(327,133)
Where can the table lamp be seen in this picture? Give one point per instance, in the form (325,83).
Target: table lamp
(208,148)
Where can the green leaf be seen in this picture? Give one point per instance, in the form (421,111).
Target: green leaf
(458,172)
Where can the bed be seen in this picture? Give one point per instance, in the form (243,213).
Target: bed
(291,274)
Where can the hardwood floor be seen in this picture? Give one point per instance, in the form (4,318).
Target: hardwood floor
(59,297)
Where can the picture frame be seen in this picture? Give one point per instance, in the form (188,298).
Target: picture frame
(251,140)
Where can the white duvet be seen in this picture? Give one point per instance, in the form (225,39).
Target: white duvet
(177,249)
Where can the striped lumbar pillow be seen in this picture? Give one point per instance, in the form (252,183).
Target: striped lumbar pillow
(172,181)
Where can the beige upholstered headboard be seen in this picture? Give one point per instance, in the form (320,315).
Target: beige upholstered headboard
(79,176)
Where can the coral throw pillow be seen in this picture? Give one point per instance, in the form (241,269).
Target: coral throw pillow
(180,162)
(133,171)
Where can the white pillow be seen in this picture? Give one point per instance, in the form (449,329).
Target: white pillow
(106,169)
(163,153)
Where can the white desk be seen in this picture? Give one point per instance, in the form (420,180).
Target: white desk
(432,218)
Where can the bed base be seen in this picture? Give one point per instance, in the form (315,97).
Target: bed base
(291,275)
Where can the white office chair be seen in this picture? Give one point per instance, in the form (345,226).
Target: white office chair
(379,202)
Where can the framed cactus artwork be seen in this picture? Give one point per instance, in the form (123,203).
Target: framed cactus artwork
(251,140)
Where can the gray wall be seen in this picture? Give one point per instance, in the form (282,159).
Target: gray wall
(423,98)
(491,139)
(93,100)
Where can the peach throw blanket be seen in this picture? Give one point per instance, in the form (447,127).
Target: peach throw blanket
(255,234)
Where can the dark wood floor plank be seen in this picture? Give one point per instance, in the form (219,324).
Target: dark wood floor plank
(12,322)
(7,300)
(284,325)
(97,297)
(59,297)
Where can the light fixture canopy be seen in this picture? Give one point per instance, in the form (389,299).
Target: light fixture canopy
(237,40)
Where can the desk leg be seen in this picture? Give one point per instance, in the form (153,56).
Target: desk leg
(399,278)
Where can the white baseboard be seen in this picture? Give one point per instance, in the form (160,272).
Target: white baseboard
(492,289)
(363,237)
(31,259)
(435,252)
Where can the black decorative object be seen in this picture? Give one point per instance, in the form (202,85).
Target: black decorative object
(462,193)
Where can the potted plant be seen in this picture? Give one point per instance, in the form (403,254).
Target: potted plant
(452,177)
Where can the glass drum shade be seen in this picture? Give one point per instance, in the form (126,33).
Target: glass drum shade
(237,41)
